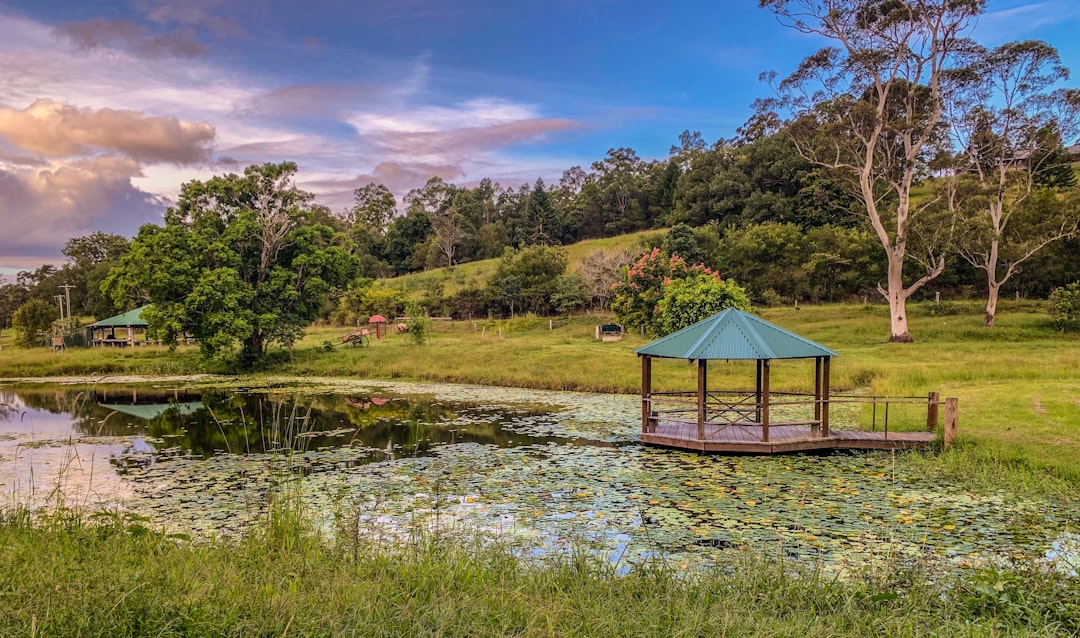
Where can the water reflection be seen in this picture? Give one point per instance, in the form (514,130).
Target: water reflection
(206,422)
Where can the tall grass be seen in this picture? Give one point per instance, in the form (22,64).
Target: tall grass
(61,575)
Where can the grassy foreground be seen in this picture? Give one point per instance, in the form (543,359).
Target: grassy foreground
(61,576)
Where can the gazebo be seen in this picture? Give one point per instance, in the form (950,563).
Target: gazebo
(727,417)
(103,333)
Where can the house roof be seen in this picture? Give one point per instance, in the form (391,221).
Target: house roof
(132,318)
(154,410)
(734,334)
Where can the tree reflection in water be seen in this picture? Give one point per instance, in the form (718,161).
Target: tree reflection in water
(205,422)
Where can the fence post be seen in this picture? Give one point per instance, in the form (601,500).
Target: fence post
(932,411)
(951,420)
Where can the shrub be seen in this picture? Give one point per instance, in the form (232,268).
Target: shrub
(1065,306)
(688,301)
(419,324)
(33,320)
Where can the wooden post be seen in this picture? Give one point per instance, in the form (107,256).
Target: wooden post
(815,429)
(646,391)
(952,417)
(765,400)
(757,392)
(931,411)
(825,396)
(702,385)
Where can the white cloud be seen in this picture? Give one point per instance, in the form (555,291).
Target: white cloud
(996,27)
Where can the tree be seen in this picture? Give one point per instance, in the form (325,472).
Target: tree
(689,300)
(448,232)
(374,208)
(570,293)
(541,220)
(419,324)
(12,297)
(870,110)
(619,197)
(529,276)
(681,241)
(636,298)
(601,270)
(1065,306)
(405,238)
(238,259)
(34,320)
(1009,124)
(90,259)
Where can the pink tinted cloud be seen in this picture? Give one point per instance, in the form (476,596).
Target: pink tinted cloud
(478,138)
(205,14)
(311,99)
(399,177)
(57,130)
(129,36)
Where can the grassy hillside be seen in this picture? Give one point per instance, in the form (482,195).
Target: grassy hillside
(476,273)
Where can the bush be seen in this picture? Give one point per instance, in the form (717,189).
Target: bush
(636,299)
(688,301)
(1065,306)
(34,320)
(419,324)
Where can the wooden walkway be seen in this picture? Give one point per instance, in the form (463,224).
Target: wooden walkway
(782,438)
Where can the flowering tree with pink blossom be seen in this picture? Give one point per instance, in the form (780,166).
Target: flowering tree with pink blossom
(636,299)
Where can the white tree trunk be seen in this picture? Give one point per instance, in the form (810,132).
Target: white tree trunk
(897,296)
(991,304)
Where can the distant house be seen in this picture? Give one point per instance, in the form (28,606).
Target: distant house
(1020,159)
(120,330)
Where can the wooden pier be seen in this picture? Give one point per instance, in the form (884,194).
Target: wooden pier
(782,439)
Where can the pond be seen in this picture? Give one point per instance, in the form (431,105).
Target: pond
(548,472)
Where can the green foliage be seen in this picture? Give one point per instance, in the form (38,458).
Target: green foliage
(689,300)
(1065,306)
(240,259)
(682,241)
(785,262)
(366,299)
(34,321)
(529,278)
(570,293)
(374,208)
(113,577)
(636,298)
(12,297)
(419,324)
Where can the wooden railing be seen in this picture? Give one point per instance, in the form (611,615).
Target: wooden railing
(725,408)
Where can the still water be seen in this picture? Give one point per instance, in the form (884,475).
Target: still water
(546,471)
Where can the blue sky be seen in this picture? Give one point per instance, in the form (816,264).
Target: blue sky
(107,107)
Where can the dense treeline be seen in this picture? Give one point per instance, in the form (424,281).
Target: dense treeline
(751,209)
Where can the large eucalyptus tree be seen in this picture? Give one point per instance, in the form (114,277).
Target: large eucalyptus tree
(869,108)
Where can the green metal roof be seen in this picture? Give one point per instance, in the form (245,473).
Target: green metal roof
(131,318)
(734,334)
(153,410)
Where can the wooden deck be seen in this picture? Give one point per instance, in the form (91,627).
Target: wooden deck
(782,438)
